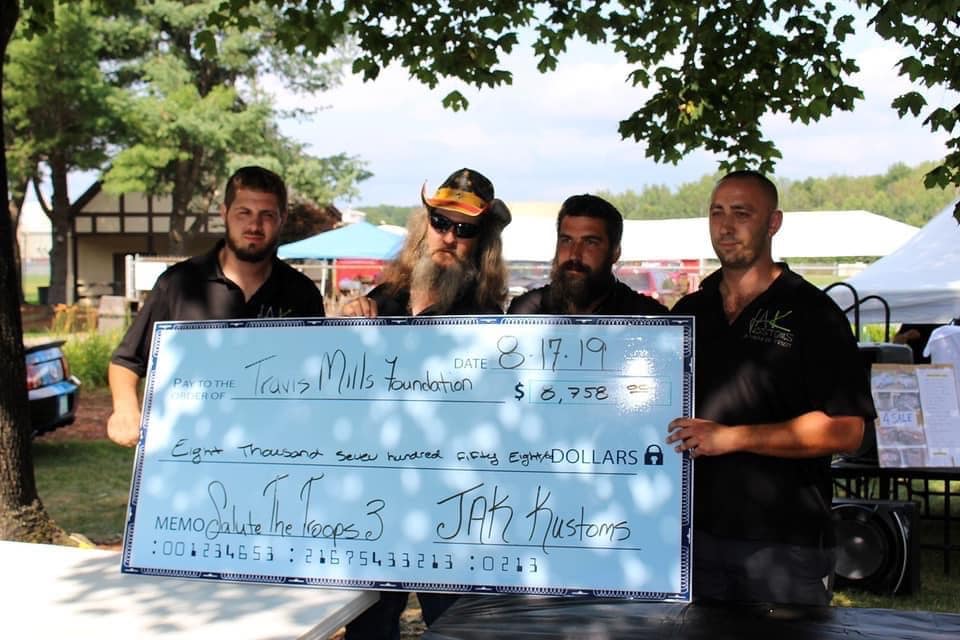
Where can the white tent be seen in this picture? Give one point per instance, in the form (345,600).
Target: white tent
(804,234)
(920,280)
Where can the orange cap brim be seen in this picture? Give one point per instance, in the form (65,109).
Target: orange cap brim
(454,200)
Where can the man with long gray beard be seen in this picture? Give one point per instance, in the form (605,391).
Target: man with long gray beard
(589,230)
(241,277)
(450,264)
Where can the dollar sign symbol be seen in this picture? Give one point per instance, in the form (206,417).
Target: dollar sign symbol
(519,390)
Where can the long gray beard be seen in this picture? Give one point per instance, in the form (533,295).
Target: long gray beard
(447,283)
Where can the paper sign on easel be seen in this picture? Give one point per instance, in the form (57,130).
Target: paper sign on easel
(918,415)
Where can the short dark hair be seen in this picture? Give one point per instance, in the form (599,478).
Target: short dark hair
(256,179)
(594,207)
(766,184)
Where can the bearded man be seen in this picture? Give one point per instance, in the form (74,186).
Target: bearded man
(450,264)
(780,388)
(589,230)
(241,277)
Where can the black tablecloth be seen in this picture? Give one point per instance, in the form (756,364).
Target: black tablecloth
(528,618)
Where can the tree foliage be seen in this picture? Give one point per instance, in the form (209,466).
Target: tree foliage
(713,68)
(390,214)
(22,515)
(899,193)
(61,114)
(198,112)
(306,219)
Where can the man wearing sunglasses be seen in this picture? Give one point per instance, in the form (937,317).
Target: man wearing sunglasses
(589,230)
(451,264)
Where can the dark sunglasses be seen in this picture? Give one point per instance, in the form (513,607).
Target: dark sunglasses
(441,224)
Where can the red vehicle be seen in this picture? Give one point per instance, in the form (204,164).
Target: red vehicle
(641,279)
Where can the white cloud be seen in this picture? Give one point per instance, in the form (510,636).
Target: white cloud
(870,138)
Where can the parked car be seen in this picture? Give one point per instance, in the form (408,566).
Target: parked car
(643,280)
(52,391)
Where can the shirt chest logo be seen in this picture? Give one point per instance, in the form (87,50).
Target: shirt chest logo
(268,311)
(769,326)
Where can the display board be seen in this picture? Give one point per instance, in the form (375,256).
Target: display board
(453,454)
(918,416)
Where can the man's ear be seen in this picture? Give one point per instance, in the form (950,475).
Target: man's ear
(223,213)
(615,255)
(776,220)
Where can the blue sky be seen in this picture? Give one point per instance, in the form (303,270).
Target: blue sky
(550,135)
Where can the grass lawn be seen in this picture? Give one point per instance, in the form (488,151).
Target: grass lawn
(31,281)
(85,485)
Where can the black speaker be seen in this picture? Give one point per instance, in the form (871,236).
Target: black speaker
(884,353)
(878,545)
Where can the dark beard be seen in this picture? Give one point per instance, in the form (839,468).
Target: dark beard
(570,294)
(246,255)
(448,283)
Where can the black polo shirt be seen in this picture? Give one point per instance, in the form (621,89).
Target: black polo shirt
(396,302)
(196,289)
(621,300)
(791,351)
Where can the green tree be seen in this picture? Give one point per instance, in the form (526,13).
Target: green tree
(657,202)
(60,115)
(65,82)
(22,515)
(899,193)
(200,112)
(714,68)
(389,214)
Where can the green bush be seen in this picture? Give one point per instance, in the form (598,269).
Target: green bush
(88,355)
(875,332)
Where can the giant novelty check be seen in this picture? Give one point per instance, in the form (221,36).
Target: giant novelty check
(457,454)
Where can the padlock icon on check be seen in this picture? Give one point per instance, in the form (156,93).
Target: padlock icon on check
(653,455)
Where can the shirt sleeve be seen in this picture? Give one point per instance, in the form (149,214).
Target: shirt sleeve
(314,303)
(836,373)
(529,303)
(133,352)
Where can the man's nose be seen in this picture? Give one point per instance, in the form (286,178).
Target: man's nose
(726,221)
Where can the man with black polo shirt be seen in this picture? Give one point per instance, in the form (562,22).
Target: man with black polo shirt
(241,277)
(779,389)
(589,230)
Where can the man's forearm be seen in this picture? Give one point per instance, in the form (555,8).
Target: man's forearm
(809,435)
(123,388)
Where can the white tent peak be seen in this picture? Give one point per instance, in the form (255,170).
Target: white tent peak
(920,280)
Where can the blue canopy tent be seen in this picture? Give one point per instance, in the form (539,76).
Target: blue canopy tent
(358,240)
(355,252)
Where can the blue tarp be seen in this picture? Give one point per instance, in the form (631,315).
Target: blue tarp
(358,240)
